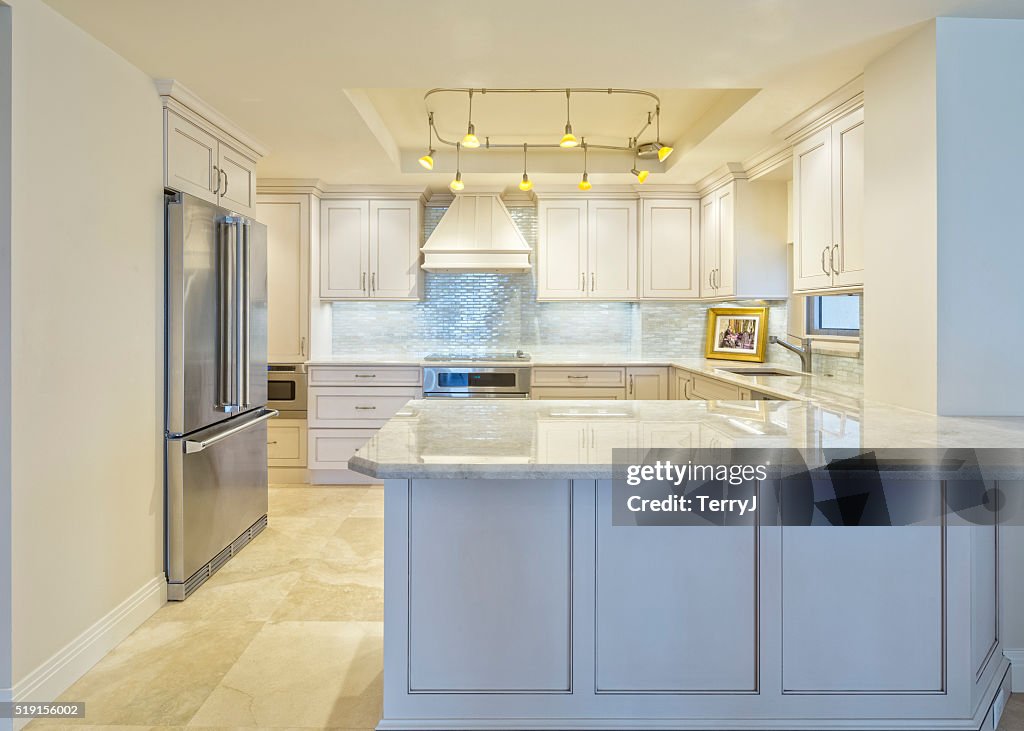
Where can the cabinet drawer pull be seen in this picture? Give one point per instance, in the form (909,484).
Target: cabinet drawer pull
(225,191)
(824,267)
(273,442)
(366,375)
(216,171)
(362,282)
(631,384)
(373,282)
(591,281)
(578,377)
(366,408)
(835,250)
(583,281)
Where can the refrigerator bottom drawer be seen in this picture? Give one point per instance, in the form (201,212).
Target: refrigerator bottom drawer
(213,496)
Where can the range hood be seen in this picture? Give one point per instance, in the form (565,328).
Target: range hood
(476,234)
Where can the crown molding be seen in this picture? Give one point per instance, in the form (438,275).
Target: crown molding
(306,186)
(722,176)
(768,160)
(844,99)
(177,96)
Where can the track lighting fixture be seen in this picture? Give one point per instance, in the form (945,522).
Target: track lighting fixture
(663,150)
(584,183)
(568,139)
(470,140)
(641,175)
(525,184)
(427,160)
(457,183)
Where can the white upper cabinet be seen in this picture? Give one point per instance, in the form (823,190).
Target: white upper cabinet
(288,222)
(670,252)
(743,241)
(370,249)
(828,207)
(587,249)
(205,155)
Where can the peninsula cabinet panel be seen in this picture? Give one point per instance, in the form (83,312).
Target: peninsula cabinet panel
(697,629)
(862,609)
(670,251)
(496,618)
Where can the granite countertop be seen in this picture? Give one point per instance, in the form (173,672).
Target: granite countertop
(799,386)
(574,439)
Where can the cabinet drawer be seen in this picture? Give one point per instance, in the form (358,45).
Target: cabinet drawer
(286,443)
(709,388)
(579,377)
(578,394)
(356,407)
(330,449)
(368,376)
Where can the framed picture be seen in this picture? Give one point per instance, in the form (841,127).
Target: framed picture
(737,333)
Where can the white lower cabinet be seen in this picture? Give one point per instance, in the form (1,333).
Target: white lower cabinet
(343,417)
(646,383)
(713,389)
(578,394)
(286,443)
(681,385)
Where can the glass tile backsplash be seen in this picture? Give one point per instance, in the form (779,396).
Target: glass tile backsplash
(475,312)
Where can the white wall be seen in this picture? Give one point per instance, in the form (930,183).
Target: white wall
(980,105)
(900,225)
(86,344)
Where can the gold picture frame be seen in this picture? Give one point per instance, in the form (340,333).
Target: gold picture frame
(737,333)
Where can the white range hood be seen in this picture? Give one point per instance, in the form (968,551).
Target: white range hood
(476,234)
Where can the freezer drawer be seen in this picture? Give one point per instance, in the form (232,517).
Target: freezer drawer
(216,486)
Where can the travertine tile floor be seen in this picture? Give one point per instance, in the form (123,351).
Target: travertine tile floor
(287,635)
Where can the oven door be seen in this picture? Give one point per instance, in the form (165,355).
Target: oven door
(476,380)
(286,391)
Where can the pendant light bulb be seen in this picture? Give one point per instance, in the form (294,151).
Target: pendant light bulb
(585,183)
(470,140)
(525,184)
(457,183)
(427,161)
(641,175)
(663,152)
(568,139)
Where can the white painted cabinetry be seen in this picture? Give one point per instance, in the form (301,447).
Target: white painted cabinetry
(205,155)
(587,249)
(743,241)
(828,207)
(289,226)
(647,383)
(670,249)
(370,249)
(286,443)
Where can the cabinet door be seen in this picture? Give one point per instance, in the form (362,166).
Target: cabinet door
(238,183)
(561,441)
(556,393)
(345,249)
(612,250)
(288,231)
(671,250)
(330,449)
(286,443)
(812,212)
(647,384)
(395,249)
(682,385)
(708,244)
(711,388)
(562,245)
(848,199)
(190,158)
(724,277)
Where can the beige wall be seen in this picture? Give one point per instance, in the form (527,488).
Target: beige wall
(86,334)
(5,353)
(900,234)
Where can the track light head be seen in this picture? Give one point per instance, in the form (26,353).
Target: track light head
(470,140)
(427,161)
(525,184)
(568,139)
(641,175)
(585,184)
(457,184)
(663,152)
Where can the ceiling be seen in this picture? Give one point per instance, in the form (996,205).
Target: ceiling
(335,87)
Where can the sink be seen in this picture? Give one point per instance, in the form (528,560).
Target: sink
(761,371)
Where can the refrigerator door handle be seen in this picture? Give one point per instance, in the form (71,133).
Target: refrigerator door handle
(227,281)
(244,314)
(198,445)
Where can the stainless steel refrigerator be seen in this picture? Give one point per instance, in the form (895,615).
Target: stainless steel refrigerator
(216,388)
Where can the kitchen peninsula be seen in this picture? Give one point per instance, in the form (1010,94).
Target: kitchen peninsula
(513,601)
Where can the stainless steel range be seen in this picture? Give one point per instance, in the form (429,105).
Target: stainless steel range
(498,380)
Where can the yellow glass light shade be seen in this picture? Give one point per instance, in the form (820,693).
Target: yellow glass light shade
(526,183)
(457,184)
(641,175)
(568,140)
(427,161)
(664,152)
(470,140)
(585,183)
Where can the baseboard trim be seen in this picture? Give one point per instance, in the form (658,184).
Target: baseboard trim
(1016,658)
(71,662)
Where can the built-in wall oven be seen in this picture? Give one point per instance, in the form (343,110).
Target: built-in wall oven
(286,389)
(471,381)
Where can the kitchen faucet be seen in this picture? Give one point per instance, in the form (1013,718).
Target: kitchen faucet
(804,350)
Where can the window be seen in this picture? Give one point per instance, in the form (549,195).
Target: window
(835,314)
